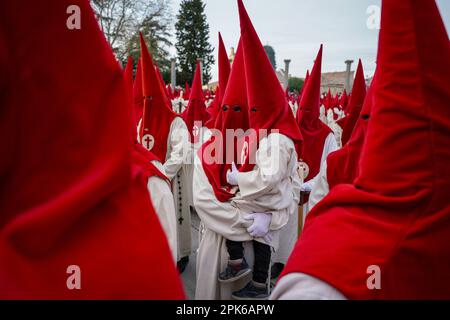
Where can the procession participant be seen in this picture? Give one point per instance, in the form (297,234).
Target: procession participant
(217,203)
(158,184)
(220,218)
(224,74)
(165,134)
(342,166)
(318,138)
(159,189)
(195,115)
(386,236)
(318,142)
(355,104)
(273,187)
(343,102)
(75,210)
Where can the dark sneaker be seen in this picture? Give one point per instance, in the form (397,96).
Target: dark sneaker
(182,264)
(235,272)
(251,292)
(276,270)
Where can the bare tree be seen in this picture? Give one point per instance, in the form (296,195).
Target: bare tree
(121,21)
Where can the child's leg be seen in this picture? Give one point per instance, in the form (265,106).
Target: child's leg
(262,262)
(237,267)
(235,250)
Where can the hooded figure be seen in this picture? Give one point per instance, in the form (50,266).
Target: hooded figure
(343,100)
(387,235)
(220,219)
(318,138)
(269,187)
(219,205)
(356,101)
(342,166)
(158,184)
(195,113)
(187,91)
(224,74)
(165,134)
(75,213)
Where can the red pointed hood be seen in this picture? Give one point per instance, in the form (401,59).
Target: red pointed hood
(196,109)
(396,215)
(224,68)
(309,107)
(269,109)
(213,109)
(313,130)
(138,94)
(306,77)
(224,74)
(355,104)
(344,100)
(302,89)
(328,100)
(170,92)
(163,84)
(69,192)
(187,91)
(128,75)
(158,115)
(234,115)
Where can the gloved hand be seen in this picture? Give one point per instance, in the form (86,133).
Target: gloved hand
(260,226)
(232,175)
(306,187)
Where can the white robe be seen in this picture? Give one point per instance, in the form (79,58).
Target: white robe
(289,234)
(300,286)
(178,152)
(162,200)
(224,220)
(320,189)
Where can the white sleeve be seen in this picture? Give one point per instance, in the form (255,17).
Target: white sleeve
(329,146)
(272,160)
(300,286)
(178,147)
(321,187)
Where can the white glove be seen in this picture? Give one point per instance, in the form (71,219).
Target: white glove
(306,187)
(232,175)
(260,226)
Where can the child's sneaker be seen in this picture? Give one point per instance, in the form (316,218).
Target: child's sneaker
(234,272)
(252,291)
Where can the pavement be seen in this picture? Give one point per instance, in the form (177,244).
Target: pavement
(189,275)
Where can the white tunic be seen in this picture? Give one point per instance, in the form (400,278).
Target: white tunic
(321,187)
(162,200)
(178,152)
(225,220)
(300,286)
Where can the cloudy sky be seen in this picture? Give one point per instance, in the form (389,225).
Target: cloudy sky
(296,28)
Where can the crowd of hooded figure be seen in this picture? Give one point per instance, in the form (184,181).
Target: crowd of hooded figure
(298,196)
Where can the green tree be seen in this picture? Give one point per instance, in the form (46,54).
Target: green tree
(272,57)
(192,32)
(295,84)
